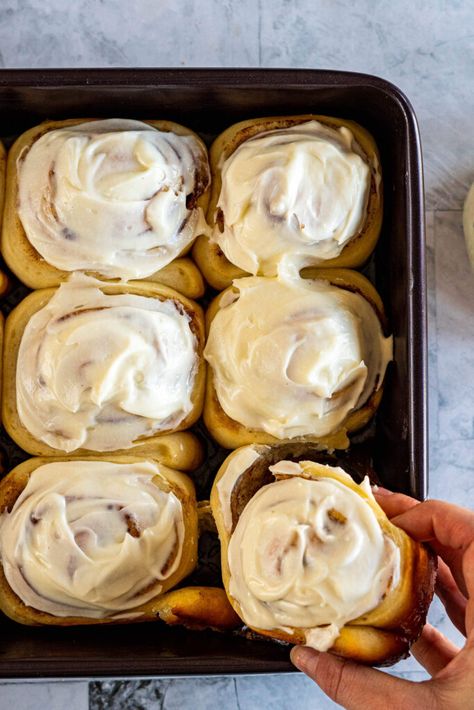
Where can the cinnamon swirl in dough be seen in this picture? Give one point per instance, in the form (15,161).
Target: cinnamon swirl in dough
(309,557)
(92,540)
(103,367)
(290,192)
(118,198)
(295,359)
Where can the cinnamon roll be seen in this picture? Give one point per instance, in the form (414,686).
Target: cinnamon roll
(290,192)
(104,367)
(117,198)
(88,541)
(295,359)
(309,557)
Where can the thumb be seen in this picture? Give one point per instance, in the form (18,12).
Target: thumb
(360,687)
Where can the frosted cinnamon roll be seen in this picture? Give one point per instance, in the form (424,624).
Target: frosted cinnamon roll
(102,367)
(309,557)
(93,539)
(291,192)
(116,197)
(294,358)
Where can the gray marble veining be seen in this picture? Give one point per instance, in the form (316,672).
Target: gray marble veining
(161,694)
(426,48)
(273,692)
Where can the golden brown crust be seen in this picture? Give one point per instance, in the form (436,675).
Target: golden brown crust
(231,434)
(371,646)
(14,483)
(383,635)
(174,447)
(218,271)
(29,265)
(197,608)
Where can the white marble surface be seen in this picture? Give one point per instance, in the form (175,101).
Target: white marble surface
(44,696)
(426,48)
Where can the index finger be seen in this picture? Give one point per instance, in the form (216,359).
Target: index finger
(393,503)
(447,528)
(450,531)
(436,521)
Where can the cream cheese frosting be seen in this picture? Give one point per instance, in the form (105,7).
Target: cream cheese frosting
(294,357)
(114,197)
(98,371)
(91,538)
(309,554)
(292,196)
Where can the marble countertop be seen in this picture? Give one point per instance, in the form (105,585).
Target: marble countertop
(427,49)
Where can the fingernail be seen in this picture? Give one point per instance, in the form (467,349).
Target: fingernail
(380,491)
(300,656)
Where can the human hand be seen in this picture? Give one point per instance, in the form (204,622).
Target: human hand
(449,530)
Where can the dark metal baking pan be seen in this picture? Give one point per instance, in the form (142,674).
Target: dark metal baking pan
(209,100)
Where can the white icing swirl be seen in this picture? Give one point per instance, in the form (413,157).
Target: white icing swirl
(98,371)
(91,538)
(113,196)
(311,555)
(294,195)
(295,357)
